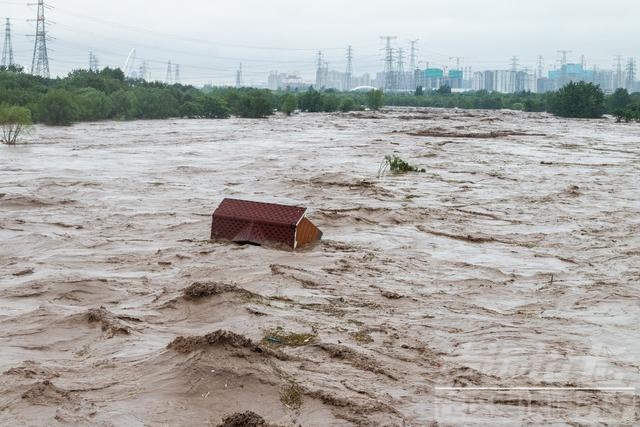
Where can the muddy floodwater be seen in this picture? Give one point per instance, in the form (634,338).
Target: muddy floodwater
(499,286)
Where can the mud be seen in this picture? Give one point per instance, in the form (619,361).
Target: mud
(444,133)
(111,325)
(45,393)
(511,264)
(202,290)
(244,419)
(189,344)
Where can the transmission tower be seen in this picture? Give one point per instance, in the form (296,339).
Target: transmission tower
(94,63)
(514,63)
(618,72)
(540,66)
(143,72)
(402,80)
(564,54)
(631,74)
(320,70)
(413,59)
(176,74)
(168,79)
(349,72)
(40,62)
(239,77)
(7,51)
(389,80)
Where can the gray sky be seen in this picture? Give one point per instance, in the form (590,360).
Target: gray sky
(209,38)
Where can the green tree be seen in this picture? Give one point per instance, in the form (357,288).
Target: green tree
(191,110)
(619,100)
(375,99)
(330,103)
(92,104)
(156,103)
(311,101)
(215,108)
(14,121)
(58,108)
(578,100)
(124,105)
(444,90)
(253,104)
(419,91)
(628,114)
(348,104)
(289,104)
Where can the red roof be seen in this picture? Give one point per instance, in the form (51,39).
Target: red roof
(260,212)
(257,222)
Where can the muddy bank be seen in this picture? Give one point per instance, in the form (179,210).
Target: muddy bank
(513,262)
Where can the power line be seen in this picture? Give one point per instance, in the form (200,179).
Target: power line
(208,42)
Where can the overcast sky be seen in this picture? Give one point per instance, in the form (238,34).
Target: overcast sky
(209,38)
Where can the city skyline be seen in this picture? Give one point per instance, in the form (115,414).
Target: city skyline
(210,41)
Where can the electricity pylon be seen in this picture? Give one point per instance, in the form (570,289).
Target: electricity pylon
(349,72)
(40,62)
(402,81)
(169,77)
(389,81)
(7,51)
(94,63)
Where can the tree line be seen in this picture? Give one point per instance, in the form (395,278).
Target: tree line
(576,99)
(85,95)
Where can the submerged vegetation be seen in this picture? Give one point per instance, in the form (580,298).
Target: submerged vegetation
(624,107)
(107,95)
(291,396)
(397,166)
(279,338)
(14,121)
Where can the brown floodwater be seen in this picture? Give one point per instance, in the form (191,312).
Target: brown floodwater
(501,285)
